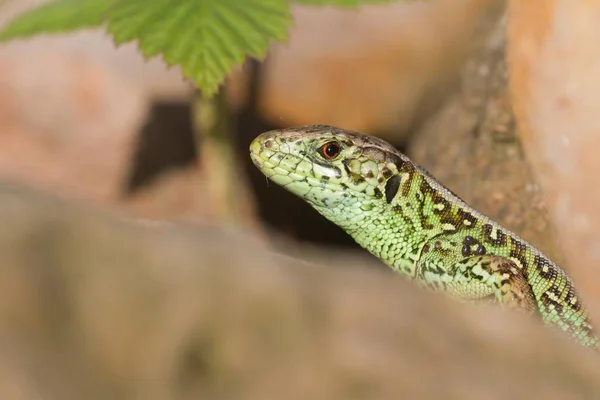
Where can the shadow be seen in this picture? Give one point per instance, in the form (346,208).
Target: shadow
(166,142)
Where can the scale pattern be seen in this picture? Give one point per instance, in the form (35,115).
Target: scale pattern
(406,218)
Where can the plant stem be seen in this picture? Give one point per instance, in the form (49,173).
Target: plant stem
(226,192)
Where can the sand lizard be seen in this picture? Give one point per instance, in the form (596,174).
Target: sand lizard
(406,218)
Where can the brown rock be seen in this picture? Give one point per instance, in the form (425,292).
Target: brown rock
(95,307)
(472,145)
(554,62)
(373,69)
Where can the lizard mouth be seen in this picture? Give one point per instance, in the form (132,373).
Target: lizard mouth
(282,167)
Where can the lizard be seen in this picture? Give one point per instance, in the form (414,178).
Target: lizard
(402,215)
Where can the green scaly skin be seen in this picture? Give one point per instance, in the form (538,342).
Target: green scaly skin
(403,216)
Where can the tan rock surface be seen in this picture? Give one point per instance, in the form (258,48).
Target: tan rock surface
(472,145)
(374,70)
(97,307)
(554,63)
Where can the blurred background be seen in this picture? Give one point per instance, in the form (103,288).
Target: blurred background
(497,99)
(100,123)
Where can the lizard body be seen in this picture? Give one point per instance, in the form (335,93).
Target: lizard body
(406,218)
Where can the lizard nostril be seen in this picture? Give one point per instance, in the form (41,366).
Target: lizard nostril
(268,143)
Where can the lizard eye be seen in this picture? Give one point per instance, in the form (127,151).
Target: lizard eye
(330,150)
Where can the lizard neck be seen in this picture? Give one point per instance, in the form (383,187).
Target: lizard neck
(394,232)
(391,236)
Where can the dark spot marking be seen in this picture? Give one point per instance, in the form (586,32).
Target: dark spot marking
(385,171)
(369,174)
(545,268)
(338,172)
(391,188)
(410,170)
(426,249)
(439,199)
(554,290)
(500,239)
(426,187)
(470,240)
(518,246)
(346,165)
(321,162)
(466,250)
(518,251)
(425,224)
(467,216)
(571,294)
(395,159)
(547,301)
(357,179)
(377,193)
(407,221)
(480,250)
(419,197)
(472,247)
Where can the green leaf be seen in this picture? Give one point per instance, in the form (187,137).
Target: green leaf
(57,16)
(205,37)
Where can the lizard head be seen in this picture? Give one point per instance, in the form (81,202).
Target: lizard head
(335,170)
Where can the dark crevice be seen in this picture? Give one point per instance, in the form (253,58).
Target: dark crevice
(166,142)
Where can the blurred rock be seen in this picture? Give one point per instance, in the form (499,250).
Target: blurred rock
(379,69)
(69,127)
(554,60)
(71,108)
(95,307)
